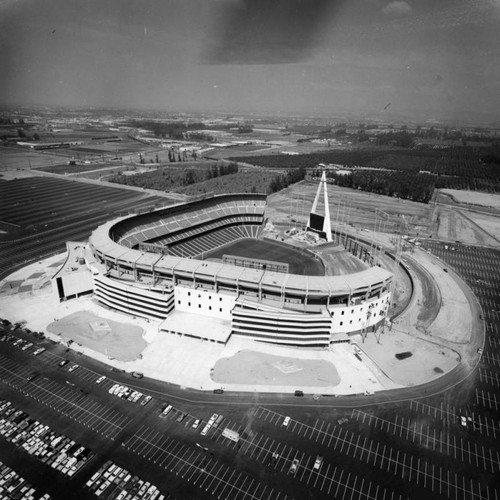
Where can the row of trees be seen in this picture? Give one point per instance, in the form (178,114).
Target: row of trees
(282,181)
(410,174)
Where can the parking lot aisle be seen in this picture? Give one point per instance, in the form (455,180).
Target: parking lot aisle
(443,444)
(489,377)
(392,462)
(194,466)
(444,412)
(65,400)
(486,399)
(491,359)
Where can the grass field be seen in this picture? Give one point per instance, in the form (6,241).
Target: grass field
(300,261)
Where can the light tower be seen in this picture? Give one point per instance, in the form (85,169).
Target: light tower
(318,223)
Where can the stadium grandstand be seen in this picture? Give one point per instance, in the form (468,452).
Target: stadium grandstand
(157,264)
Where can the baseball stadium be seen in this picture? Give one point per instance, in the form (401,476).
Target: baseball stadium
(209,263)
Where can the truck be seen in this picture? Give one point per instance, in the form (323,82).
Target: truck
(230,434)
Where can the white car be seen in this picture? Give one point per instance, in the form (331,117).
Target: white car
(146,400)
(72,368)
(463,421)
(101,379)
(317,463)
(293,467)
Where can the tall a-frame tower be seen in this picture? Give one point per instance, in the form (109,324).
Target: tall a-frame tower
(317,223)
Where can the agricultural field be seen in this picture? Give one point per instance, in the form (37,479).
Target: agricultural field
(39,214)
(17,158)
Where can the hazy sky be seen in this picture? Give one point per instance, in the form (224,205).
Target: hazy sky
(428,58)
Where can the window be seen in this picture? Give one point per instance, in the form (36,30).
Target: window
(189,294)
(199,306)
(199,296)
(189,304)
(220,299)
(342,313)
(209,308)
(350,322)
(220,309)
(341,323)
(178,302)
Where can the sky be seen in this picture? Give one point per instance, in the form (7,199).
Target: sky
(423,59)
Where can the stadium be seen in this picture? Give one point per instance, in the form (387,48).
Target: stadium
(204,269)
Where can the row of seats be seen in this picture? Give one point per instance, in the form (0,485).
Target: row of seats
(205,228)
(213,239)
(182,219)
(163,227)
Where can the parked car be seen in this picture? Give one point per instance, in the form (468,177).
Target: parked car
(293,467)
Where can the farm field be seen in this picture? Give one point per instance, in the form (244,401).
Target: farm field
(39,214)
(17,158)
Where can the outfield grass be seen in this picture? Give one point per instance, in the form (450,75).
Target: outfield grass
(300,261)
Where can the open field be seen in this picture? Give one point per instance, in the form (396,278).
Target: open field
(300,261)
(21,158)
(474,197)
(356,211)
(349,207)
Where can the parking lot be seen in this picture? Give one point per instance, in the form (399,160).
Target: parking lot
(440,446)
(65,399)
(387,458)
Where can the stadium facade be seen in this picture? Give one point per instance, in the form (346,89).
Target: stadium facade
(152,265)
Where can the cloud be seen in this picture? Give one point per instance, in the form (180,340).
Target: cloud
(268,31)
(397,8)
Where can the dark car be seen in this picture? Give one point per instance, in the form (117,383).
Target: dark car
(299,394)
(218,391)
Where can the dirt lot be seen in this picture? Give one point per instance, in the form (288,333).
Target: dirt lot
(121,341)
(266,369)
(358,211)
